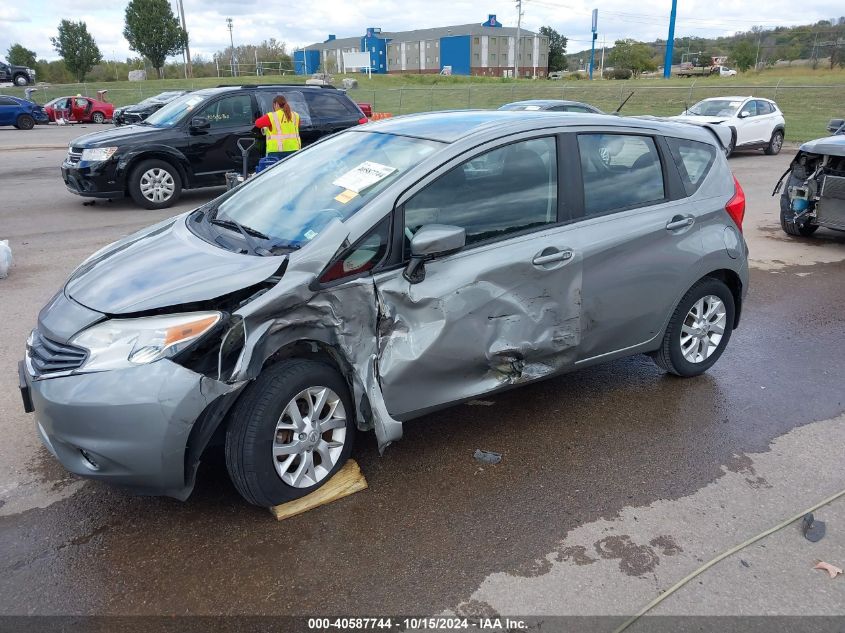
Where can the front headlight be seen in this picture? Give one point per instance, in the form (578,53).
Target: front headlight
(121,343)
(98,154)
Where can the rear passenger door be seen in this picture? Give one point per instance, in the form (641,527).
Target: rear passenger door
(308,132)
(637,235)
(331,111)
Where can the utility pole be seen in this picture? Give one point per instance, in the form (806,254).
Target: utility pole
(601,67)
(232,42)
(516,47)
(670,42)
(186,51)
(595,35)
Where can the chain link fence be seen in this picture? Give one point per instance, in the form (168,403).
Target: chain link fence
(807,108)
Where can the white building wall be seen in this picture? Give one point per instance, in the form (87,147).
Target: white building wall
(511,57)
(535,54)
(403,55)
(422,54)
(485,49)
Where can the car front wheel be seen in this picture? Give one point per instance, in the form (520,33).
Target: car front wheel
(699,330)
(775,143)
(155,184)
(290,431)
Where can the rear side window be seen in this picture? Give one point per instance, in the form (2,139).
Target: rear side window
(694,161)
(329,106)
(7,101)
(295,99)
(620,171)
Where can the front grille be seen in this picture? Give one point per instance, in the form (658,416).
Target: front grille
(74,155)
(48,357)
(131,117)
(830,209)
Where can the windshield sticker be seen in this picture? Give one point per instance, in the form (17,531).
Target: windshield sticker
(364,175)
(310,234)
(345,196)
(190,103)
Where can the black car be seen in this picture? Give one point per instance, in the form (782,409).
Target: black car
(140,111)
(552,105)
(18,75)
(193,141)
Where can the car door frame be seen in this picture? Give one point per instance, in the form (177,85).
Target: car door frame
(396,262)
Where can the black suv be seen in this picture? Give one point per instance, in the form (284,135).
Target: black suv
(193,141)
(19,75)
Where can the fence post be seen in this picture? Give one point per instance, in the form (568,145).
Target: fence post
(776,89)
(430,98)
(400,100)
(513,87)
(469,97)
(692,85)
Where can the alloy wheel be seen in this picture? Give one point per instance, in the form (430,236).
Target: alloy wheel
(309,438)
(157,185)
(703,329)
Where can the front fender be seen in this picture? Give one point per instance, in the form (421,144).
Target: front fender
(127,161)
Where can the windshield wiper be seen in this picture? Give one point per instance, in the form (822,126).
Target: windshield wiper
(247,232)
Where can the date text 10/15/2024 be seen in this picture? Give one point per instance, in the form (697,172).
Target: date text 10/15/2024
(415,624)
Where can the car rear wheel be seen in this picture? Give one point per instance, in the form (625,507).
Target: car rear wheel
(290,431)
(699,330)
(155,184)
(25,122)
(775,143)
(98,117)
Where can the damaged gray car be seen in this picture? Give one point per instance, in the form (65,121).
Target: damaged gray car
(813,188)
(381,274)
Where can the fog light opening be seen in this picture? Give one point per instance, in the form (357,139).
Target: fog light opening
(88,460)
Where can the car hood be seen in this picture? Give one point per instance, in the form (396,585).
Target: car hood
(138,107)
(829,146)
(164,265)
(700,119)
(116,135)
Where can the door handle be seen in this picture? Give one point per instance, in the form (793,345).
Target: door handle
(550,258)
(679,223)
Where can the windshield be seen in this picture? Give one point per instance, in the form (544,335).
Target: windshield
(292,202)
(174,111)
(715,107)
(520,106)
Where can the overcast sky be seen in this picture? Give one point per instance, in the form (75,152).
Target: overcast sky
(309,22)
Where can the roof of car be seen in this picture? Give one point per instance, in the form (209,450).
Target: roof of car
(224,89)
(736,98)
(548,102)
(449,126)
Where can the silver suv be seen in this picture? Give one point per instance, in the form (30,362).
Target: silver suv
(380,274)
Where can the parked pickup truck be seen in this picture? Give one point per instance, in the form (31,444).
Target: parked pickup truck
(19,75)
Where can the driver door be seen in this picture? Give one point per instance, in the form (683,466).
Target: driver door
(502,310)
(215,151)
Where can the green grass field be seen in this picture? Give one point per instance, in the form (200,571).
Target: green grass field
(808,98)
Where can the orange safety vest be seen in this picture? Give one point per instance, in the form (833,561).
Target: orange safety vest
(283,135)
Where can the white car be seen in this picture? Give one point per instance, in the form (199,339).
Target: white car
(755,123)
(724,71)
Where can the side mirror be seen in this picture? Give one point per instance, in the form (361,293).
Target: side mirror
(744,114)
(200,123)
(432,240)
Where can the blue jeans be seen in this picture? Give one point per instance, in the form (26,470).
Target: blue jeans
(279,155)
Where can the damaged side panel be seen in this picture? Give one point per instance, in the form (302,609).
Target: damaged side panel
(482,319)
(342,319)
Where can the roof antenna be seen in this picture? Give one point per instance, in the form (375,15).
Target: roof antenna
(631,94)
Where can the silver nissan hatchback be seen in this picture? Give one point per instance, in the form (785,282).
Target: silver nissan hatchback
(380,274)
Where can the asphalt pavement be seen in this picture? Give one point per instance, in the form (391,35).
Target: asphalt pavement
(616,481)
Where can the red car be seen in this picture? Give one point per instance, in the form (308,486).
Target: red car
(79,109)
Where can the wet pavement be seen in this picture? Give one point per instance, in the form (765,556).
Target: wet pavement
(435,525)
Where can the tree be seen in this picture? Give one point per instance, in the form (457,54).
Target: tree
(557,48)
(743,55)
(20,56)
(77,48)
(632,55)
(152,30)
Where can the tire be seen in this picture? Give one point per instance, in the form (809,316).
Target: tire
(148,193)
(25,122)
(731,145)
(775,143)
(264,478)
(786,219)
(98,117)
(671,355)
(21,80)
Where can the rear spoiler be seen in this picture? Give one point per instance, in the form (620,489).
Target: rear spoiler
(721,133)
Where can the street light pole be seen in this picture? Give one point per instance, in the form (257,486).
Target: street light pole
(232,42)
(516,47)
(189,71)
(670,42)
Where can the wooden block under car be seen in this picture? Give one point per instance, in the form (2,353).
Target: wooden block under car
(348,480)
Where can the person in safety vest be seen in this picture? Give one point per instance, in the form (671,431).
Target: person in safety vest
(280,128)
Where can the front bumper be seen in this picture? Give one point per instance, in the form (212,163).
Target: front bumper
(93,180)
(127,427)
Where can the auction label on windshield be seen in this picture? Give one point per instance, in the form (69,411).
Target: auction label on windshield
(364,175)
